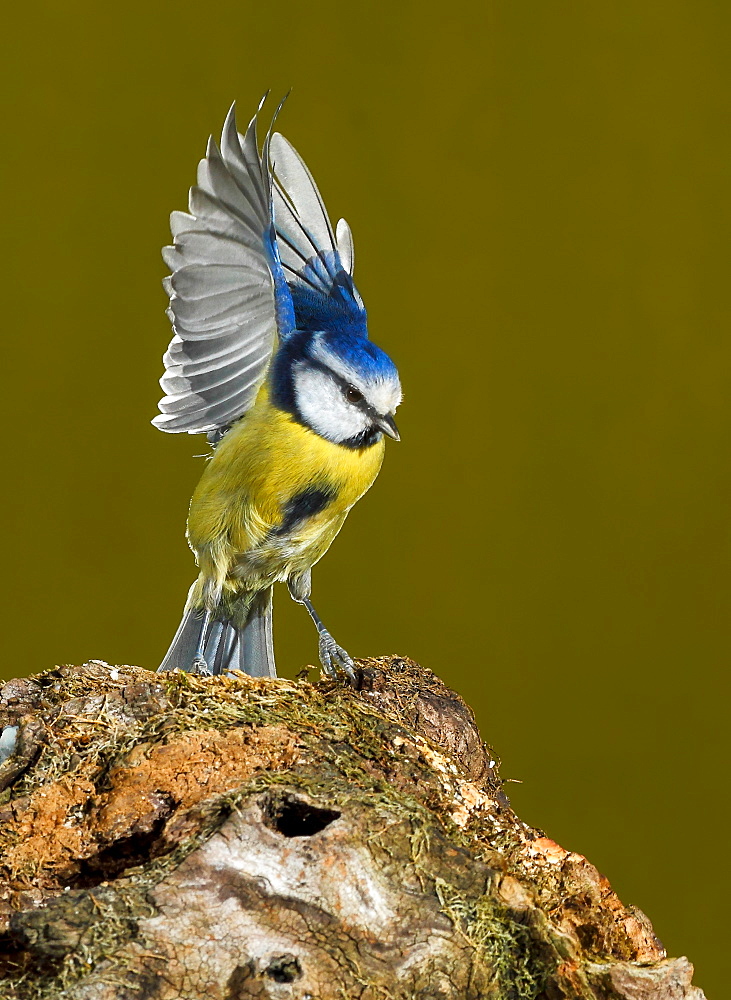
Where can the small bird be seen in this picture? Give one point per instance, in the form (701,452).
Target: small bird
(270,358)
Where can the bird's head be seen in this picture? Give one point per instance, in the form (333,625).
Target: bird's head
(345,388)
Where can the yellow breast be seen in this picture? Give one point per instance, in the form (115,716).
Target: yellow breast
(239,508)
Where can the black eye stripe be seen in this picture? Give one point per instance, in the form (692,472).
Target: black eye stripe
(344,385)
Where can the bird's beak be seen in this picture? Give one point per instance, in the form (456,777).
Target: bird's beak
(388,425)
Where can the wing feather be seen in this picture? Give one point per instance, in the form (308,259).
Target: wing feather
(205,417)
(344,240)
(176,385)
(222,289)
(201,356)
(189,280)
(175,402)
(298,185)
(206,248)
(313,257)
(204,316)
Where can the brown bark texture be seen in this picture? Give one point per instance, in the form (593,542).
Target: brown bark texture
(174,837)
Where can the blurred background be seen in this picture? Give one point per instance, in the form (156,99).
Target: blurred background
(540,201)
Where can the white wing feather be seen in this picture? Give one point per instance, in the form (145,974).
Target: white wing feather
(344,240)
(298,184)
(222,303)
(304,230)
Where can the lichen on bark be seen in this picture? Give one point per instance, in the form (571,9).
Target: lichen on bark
(170,836)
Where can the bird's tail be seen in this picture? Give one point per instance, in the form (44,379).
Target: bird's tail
(239,638)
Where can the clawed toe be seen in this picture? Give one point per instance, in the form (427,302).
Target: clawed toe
(200,667)
(334,659)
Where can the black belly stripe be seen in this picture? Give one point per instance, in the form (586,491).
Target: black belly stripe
(304,505)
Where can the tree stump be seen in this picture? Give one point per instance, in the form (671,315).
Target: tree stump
(172,836)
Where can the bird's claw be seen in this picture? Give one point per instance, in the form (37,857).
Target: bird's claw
(334,659)
(200,667)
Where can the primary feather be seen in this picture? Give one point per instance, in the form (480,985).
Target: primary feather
(222,289)
(318,264)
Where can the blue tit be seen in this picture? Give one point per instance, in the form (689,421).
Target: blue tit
(270,358)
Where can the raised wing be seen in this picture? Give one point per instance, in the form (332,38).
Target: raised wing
(223,305)
(317,262)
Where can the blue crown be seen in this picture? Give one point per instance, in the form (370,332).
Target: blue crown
(360,354)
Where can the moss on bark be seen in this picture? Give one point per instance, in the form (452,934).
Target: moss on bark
(170,836)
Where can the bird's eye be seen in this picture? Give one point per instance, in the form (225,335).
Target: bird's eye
(352,394)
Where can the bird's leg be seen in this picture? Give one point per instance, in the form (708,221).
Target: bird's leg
(332,656)
(198,664)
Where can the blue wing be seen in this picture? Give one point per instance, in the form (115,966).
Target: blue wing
(317,262)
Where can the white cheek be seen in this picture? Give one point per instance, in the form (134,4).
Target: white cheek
(323,407)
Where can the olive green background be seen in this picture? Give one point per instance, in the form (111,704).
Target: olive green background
(539,197)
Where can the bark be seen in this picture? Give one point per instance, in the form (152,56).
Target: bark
(169,836)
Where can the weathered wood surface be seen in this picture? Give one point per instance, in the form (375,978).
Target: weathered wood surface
(166,837)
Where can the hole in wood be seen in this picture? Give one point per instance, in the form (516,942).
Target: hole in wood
(127,852)
(284,969)
(293,817)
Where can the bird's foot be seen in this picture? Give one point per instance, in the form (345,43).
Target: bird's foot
(334,659)
(200,667)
